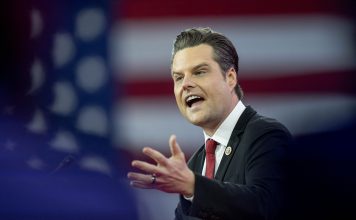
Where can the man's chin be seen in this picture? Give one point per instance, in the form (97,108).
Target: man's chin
(196,120)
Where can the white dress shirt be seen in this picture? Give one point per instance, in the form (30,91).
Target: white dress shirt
(223,134)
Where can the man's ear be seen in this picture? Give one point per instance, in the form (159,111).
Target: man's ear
(231,78)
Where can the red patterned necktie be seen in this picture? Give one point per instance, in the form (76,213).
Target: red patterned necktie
(210,158)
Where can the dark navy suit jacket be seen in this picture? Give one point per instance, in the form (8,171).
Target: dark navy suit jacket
(250,181)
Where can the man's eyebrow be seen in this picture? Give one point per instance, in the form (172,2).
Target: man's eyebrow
(176,73)
(201,65)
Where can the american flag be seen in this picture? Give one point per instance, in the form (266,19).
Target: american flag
(86,84)
(57,159)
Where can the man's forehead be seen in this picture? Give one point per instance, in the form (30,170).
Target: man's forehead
(200,50)
(192,57)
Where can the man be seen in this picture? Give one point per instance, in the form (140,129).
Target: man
(245,177)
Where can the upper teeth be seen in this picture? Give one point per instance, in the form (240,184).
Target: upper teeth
(192,97)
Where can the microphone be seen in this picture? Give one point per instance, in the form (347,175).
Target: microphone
(64,163)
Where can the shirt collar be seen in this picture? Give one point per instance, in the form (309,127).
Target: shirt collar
(223,133)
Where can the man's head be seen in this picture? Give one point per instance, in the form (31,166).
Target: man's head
(204,71)
(224,51)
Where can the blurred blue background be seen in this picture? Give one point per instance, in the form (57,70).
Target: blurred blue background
(84,85)
(57,158)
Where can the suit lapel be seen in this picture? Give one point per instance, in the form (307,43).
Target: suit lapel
(196,162)
(234,142)
(200,162)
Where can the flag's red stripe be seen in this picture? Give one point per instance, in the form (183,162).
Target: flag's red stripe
(334,82)
(143,9)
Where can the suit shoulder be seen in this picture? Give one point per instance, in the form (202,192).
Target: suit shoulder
(262,124)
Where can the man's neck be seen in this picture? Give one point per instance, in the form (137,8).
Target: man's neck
(210,130)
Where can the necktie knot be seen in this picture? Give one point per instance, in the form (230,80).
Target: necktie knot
(210,146)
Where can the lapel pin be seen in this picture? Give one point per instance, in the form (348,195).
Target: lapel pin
(228,151)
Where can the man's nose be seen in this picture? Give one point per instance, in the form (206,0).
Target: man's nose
(188,82)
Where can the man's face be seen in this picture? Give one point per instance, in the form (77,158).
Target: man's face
(203,95)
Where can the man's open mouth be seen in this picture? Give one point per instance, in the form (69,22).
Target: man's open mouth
(190,100)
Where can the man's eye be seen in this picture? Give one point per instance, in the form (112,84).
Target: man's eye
(199,72)
(178,78)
